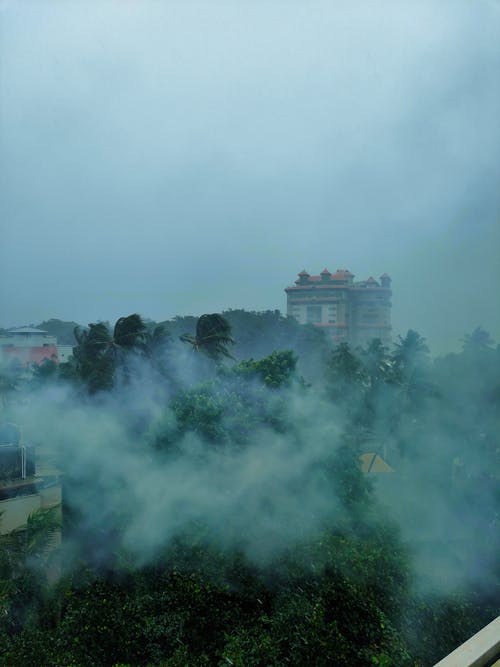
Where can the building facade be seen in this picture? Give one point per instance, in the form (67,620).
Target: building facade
(28,345)
(354,312)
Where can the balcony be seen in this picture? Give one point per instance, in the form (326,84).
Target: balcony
(22,491)
(481,650)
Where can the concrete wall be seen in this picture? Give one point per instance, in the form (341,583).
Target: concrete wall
(15,511)
(64,352)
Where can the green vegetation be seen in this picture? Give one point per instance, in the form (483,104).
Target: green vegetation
(354,582)
(64,331)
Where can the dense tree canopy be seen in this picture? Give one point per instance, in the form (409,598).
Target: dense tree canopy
(351,569)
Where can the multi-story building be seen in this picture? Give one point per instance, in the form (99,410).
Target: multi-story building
(28,345)
(355,312)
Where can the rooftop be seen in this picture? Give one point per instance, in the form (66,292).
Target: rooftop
(25,330)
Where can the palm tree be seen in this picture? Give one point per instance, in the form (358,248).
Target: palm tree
(479,339)
(410,351)
(130,333)
(414,390)
(213,335)
(92,360)
(345,375)
(376,363)
(98,352)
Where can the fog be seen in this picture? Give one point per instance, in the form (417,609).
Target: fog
(273,474)
(262,498)
(187,157)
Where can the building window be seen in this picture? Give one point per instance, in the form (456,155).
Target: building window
(313,314)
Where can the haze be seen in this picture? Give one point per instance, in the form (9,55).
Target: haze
(174,158)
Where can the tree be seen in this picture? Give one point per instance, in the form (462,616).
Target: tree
(44,372)
(412,370)
(213,335)
(275,371)
(25,555)
(64,331)
(479,339)
(376,363)
(345,379)
(98,354)
(129,333)
(410,351)
(92,362)
(379,413)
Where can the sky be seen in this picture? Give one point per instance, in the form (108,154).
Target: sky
(173,158)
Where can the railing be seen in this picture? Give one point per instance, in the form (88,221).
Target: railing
(481,650)
(16,462)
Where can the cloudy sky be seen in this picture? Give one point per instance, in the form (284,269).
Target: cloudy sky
(187,157)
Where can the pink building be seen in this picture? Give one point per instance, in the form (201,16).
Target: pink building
(28,345)
(355,312)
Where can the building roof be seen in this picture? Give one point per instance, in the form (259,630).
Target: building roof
(384,275)
(341,274)
(372,462)
(20,330)
(321,286)
(371,280)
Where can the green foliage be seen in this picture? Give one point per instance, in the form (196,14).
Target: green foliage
(352,488)
(259,334)
(45,372)
(213,335)
(99,357)
(201,410)
(275,371)
(410,350)
(64,331)
(436,625)
(26,557)
(92,363)
(231,407)
(130,332)
(479,340)
(345,382)
(346,595)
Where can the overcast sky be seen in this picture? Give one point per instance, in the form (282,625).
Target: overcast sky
(186,157)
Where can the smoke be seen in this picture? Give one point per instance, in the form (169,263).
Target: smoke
(256,470)
(260,496)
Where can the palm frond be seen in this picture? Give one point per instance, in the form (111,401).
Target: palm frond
(187,338)
(130,331)
(211,326)
(41,528)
